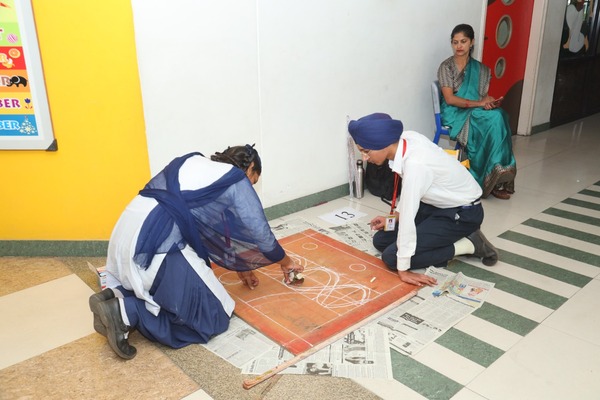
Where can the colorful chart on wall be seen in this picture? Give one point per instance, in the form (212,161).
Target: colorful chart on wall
(342,286)
(24,112)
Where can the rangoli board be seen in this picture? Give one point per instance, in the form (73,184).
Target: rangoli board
(342,286)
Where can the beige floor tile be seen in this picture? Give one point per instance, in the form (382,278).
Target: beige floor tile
(546,364)
(43,317)
(447,362)
(579,317)
(18,273)
(88,369)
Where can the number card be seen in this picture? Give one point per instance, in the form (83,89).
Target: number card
(342,215)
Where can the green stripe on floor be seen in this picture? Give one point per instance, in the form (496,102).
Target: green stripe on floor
(469,347)
(509,285)
(591,193)
(573,216)
(553,248)
(583,204)
(422,379)
(564,231)
(505,319)
(542,268)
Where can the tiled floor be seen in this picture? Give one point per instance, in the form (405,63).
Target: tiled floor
(537,336)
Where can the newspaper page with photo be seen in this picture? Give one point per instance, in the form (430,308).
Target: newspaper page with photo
(357,235)
(469,291)
(434,310)
(363,353)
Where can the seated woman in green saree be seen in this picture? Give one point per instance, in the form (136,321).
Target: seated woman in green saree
(474,118)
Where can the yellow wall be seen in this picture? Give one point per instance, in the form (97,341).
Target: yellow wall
(77,193)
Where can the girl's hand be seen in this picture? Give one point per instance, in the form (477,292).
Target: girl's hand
(288,265)
(248,279)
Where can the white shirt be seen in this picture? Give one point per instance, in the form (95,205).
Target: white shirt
(429,175)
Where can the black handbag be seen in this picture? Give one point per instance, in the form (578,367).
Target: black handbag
(379,181)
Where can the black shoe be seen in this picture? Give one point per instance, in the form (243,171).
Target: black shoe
(110,315)
(483,248)
(104,295)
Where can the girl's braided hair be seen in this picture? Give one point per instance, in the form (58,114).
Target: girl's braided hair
(241,157)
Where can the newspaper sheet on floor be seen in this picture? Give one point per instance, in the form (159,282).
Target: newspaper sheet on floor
(358,235)
(363,353)
(434,310)
(240,343)
(295,225)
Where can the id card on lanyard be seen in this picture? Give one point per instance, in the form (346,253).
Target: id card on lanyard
(390,220)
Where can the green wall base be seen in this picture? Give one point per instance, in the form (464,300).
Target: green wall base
(98,248)
(53,248)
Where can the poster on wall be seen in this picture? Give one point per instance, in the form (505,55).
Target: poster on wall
(25,122)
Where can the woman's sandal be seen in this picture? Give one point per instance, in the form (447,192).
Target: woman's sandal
(501,194)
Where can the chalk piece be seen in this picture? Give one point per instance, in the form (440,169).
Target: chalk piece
(298,279)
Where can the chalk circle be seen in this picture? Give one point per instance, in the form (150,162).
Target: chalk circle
(229,278)
(310,246)
(357,267)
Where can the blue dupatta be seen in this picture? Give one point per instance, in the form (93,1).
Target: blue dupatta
(223,222)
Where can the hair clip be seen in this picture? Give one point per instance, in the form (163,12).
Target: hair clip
(250,150)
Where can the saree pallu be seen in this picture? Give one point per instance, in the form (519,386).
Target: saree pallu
(484,135)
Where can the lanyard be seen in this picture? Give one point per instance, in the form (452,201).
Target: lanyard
(397,180)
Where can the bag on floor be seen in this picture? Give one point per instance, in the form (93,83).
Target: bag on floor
(379,181)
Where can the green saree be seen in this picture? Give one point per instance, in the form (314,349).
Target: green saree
(484,134)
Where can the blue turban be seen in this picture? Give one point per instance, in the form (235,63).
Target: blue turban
(375,131)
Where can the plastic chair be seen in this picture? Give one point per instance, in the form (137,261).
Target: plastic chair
(439,128)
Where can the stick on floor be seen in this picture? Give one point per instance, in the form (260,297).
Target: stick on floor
(250,383)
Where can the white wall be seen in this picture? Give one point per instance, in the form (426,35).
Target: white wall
(285,75)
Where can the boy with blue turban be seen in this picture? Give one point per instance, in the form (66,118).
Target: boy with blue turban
(439,210)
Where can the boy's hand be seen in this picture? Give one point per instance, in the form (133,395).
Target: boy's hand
(416,279)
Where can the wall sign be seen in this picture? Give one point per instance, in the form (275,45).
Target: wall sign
(25,122)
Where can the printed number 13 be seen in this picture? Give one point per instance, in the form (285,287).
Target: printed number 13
(345,215)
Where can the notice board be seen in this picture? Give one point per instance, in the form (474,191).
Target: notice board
(25,122)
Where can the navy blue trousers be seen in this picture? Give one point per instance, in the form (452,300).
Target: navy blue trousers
(189,313)
(437,231)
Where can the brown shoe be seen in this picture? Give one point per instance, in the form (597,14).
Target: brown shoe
(501,194)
